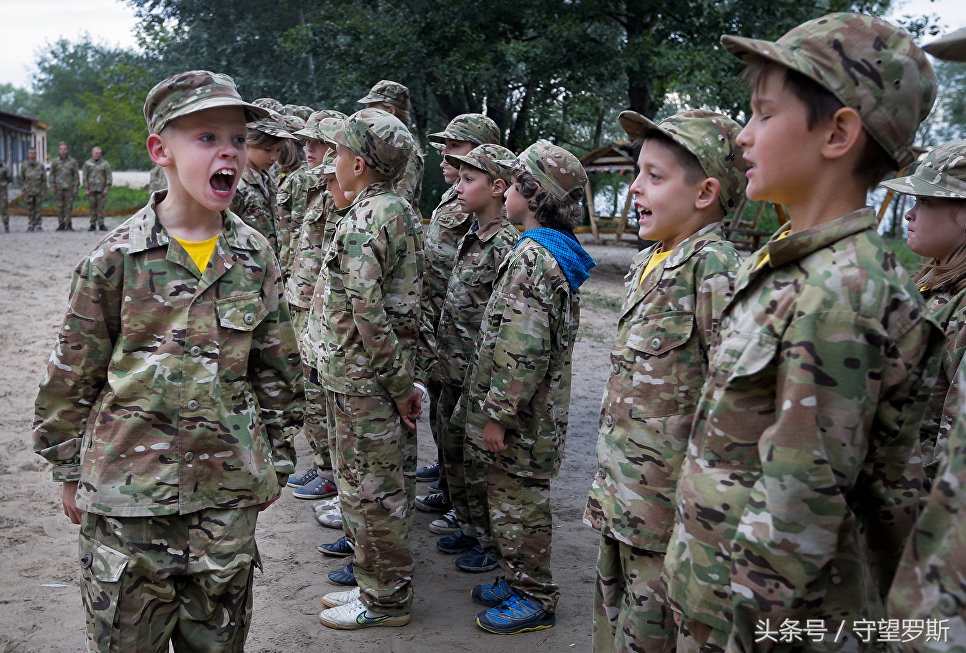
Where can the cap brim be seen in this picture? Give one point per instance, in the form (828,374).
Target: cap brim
(636,125)
(912,185)
(743,47)
(951,47)
(252,112)
(457,160)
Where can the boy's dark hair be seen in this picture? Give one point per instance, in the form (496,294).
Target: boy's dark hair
(693,172)
(291,156)
(874,163)
(260,139)
(547,209)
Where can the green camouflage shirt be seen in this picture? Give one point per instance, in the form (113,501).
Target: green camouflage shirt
(33,178)
(298,189)
(315,235)
(5,177)
(443,234)
(367,298)
(802,475)
(169,392)
(950,312)
(97,175)
(64,174)
(520,375)
(255,203)
(659,363)
(930,584)
(409,185)
(479,255)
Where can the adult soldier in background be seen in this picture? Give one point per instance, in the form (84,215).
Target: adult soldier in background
(393,97)
(5,179)
(97,182)
(64,181)
(157,180)
(33,185)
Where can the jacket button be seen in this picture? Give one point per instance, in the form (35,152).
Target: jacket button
(196,350)
(656,343)
(249,318)
(188,457)
(947,605)
(193,405)
(609,420)
(617,368)
(601,473)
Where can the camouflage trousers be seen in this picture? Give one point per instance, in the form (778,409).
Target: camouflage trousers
(32,204)
(375,464)
(697,637)
(314,428)
(183,578)
(465,474)
(4,206)
(95,200)
(521,521)
(631,612)
(65,206)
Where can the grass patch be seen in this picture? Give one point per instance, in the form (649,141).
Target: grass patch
(596,300)
(121,200)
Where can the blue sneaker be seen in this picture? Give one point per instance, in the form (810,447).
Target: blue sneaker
(518,614)
(427,473)
(318,488)
(456,543)
(493,594)
(478,560)
(343,576)
(340,548)
(298,480)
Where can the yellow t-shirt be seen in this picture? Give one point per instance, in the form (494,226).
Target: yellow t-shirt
(200,251)
(653,263)
(764,256)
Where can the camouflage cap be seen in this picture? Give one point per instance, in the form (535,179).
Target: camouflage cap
(951,47)
(312,125)
(299,110)
(328,163)
(273,125)
(268,103)
(473,128)
(378,137)
(710,137)
(490,158)
(942,173)
(294,123)
(388,92)
(868,64)
(190,92)
(554,168)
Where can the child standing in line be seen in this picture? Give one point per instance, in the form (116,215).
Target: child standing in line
(937,232)
(367,301)
(491,236)
(517,394)
(692,176)
(255,201)
(801,479)
(169,403)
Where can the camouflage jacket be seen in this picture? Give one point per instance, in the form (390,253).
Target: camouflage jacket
(443,234)
(33,178)
(299,188)
(802,476)
(5,177)
(168,393)
(658,365)
(410,183)
(97,175)
(367,297)
(64,174)
(316,234)
(520,375)
(478,257)
(950,312)
(255,203)
(930,584)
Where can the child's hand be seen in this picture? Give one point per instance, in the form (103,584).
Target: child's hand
(411,409)
(68,497)
(493,436)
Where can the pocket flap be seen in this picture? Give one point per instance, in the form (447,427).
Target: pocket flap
(661,332)
(241,312)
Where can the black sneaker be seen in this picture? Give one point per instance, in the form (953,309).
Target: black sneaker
(92,228)
(492,594)
(343,576)
(103,228)
(478,560)
(427,473)
(341,548)
(456,543)
(60,227)
(436,502)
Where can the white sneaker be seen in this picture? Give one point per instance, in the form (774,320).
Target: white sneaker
(327,504)
(355,615)
(330,519)
(335,599)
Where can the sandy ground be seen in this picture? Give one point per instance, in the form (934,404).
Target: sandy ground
(40,607)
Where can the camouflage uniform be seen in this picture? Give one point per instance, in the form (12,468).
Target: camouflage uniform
(172,397)
(5,180)
(367,307)
(97,181)
(33,185)
(157,181)
(291,201)
(660,361)
(255,203)
(64,181)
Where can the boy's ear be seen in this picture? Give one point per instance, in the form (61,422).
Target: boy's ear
(359,166)
(158,151)
(499,187)
(843,132)
(708,191)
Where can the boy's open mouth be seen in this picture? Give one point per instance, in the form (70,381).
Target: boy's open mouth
(222,180)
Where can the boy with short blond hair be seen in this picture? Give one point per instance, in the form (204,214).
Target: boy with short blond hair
(169,403)
(802,476)
(692,176)
(367,302)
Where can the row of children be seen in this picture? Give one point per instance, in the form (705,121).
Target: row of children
(174,388)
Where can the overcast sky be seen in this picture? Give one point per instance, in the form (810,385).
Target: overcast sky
(28,26)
